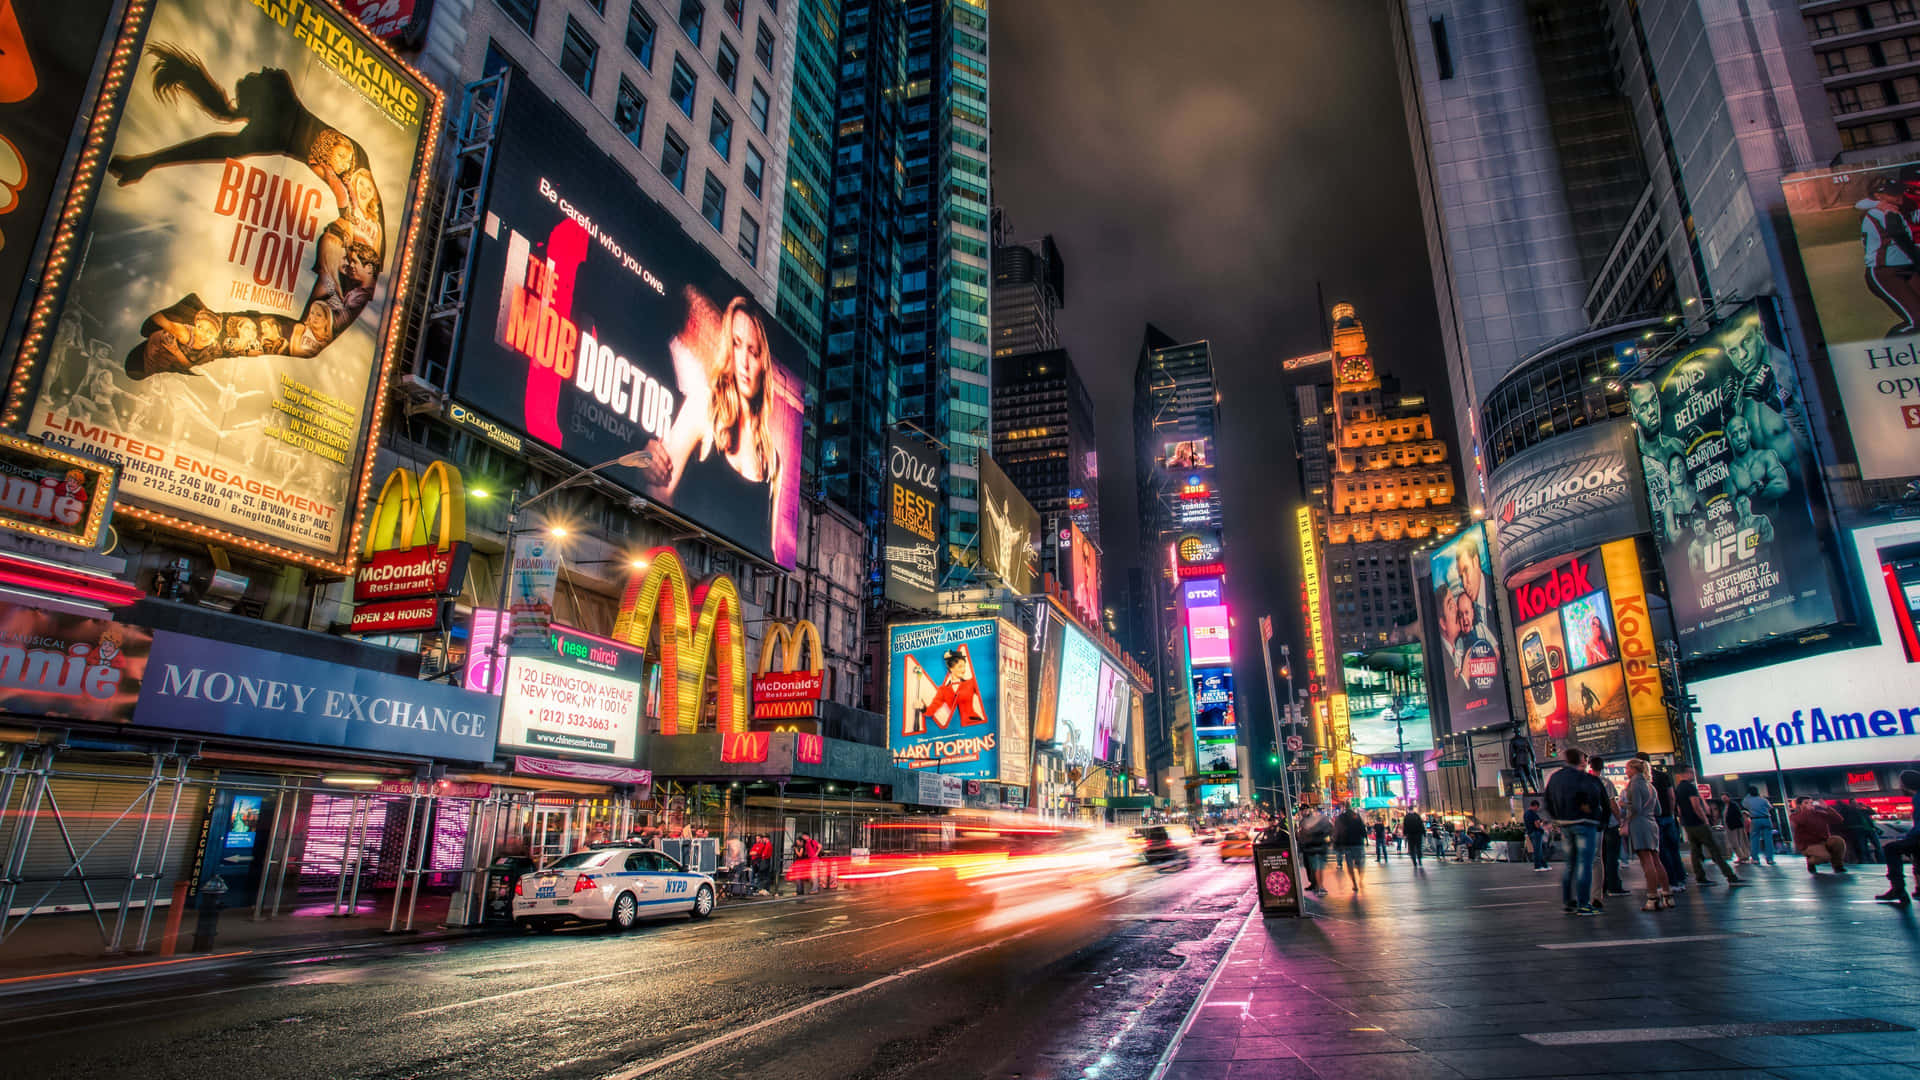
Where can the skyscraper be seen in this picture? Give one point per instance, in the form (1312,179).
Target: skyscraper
(1176,419)
(1388,488)
(1043,436)
(909,278)
(1029,289)
(802,301)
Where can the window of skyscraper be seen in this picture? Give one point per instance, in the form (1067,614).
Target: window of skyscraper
(578,51)
(748,243)
(713,202)
(693,16)
(720,132)
(755,171)
(736,11)
(763,45)
(673,160)
(758,106)
(683,85)
(727,64)
(640,33)
(629,111)
(522,12)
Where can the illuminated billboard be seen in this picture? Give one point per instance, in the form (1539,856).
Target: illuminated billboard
(1853,707)
(1387,708)
(598,328)
(1732,481)
(948,683)
(1198,553)
(1466,635)
(225,333)
(1388,785)
(911,562)
(52,49)
(1208,641)
(1009,530)
(1083,571)
(581,698)
(1310,585)
(1187,453)
(1869,314)
(1588,675)
(1075,719)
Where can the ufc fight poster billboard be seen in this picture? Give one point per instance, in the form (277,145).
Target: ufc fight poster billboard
(226,331)
(596,326)
(1731,482)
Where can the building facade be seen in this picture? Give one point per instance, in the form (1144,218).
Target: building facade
(1029,289)
(1043,437)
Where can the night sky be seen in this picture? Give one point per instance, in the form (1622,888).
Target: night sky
(1201,166)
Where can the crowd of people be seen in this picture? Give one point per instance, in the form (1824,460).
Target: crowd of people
(1662,820)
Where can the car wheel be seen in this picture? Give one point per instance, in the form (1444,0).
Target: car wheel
(626,912)
(702,902)
(537,926)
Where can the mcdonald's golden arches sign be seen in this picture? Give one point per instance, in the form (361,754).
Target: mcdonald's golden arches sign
(792,692)
(698,626)
(414,554)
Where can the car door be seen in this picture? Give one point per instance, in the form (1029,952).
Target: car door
(640,873)
(677,885)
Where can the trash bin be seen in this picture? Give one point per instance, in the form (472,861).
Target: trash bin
(1278,880)
(501,876)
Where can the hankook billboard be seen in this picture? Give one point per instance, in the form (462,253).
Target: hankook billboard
(1731,481)
(224,334)
(597,327)
(1572,491)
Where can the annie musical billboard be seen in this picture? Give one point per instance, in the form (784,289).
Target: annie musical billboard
(224,337)
(597,327)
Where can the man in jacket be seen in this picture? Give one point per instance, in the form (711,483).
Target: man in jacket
(1316,835)
(1350,843)
(1535,823)
(1576,802)
(1813,835)
(1697,822)
(1905,848)
(1414,827)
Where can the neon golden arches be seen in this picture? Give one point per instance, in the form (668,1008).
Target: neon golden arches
(786,642)
(717,633)
(411,511)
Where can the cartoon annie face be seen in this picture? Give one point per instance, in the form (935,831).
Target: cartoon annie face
(109,646)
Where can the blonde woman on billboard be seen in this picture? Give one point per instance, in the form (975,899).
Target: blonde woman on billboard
(350,251)
(722,442)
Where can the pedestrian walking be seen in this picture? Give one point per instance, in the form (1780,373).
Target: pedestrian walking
(1669,829)
(1906,848)
(1535,823)
(1610,883)
(1316,836)
(1640,817)
(1692,810)
(1814,828)
(1574,802)
(1733,818)
(1350,843)
(1760,825)
(1415,828)
(1380,839)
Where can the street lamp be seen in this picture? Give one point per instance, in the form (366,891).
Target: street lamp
(638,459)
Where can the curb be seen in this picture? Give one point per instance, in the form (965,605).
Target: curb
(1200,1000)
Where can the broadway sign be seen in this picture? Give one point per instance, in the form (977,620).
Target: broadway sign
(1573,491)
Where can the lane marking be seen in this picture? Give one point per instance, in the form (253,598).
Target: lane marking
(649,969)
(1845,1026)
(1170,917)
(1622,942)
(1535,885)
(1515,903)
(731,1036)
(837,933)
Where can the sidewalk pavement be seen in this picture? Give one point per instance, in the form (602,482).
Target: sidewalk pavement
(1474,971)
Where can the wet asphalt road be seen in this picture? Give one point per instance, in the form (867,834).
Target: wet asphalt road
(853,985)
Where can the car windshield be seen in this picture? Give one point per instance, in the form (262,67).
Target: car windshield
(581,858)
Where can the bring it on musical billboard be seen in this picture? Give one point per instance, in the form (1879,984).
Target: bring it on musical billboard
(227,334)
(597,327)
(1732,484)
(957,699)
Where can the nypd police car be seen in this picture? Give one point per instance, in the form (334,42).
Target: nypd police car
(617,886)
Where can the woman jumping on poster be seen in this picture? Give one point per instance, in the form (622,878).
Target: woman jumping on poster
(347,259)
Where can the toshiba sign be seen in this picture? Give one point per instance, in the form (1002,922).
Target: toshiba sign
(1572,491)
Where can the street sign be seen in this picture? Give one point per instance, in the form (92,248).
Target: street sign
(1452,762)
(1298,766)
(1295,744)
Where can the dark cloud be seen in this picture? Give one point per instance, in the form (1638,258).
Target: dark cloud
(1202,165)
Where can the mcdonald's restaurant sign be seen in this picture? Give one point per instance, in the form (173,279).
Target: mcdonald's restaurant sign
(415,553)
(698,627)
(792,692)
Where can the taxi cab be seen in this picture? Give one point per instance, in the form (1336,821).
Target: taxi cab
(1236,844)
(617,886)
